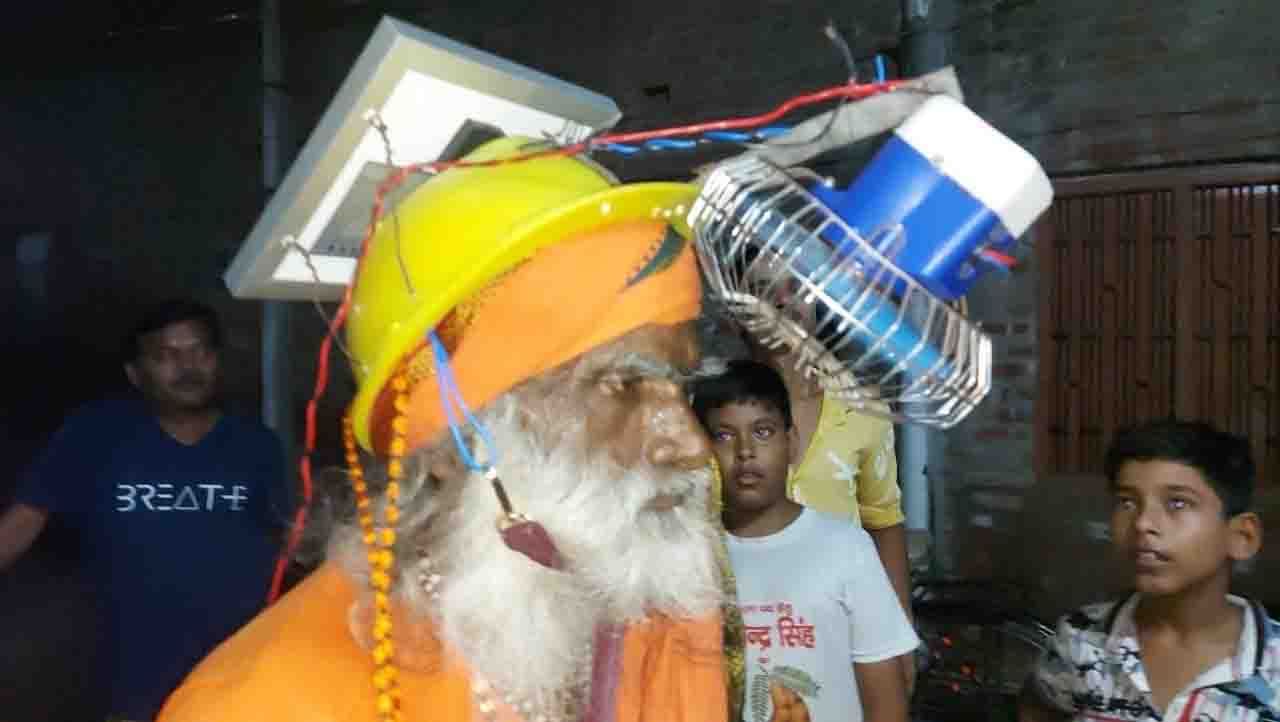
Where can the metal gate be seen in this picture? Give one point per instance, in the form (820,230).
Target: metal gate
(1160,297)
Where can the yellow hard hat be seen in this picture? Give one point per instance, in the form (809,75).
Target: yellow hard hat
(466,227)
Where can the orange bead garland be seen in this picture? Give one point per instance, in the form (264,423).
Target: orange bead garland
(380,540)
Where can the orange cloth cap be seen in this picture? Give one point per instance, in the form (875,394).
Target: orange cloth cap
(564,301)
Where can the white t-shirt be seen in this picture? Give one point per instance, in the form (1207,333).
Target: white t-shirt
(815,599)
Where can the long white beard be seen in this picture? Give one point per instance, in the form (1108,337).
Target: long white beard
(527,629)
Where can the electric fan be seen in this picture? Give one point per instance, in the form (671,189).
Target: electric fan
(861,284)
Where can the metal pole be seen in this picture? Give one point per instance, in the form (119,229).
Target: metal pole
(925,48)
(277,397)
(926,45)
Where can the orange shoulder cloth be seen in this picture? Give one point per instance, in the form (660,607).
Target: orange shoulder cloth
(297,662)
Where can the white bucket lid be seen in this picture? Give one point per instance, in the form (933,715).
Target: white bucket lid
(982,160)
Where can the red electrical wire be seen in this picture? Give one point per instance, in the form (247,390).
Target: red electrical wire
(997,257)
(839,92)
(321,384)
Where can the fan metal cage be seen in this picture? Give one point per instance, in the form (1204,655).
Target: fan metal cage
(797,278)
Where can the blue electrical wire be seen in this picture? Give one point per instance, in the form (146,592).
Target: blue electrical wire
(725,136)
(670,144)
(880,70)
(729,136)
(716,136)
(772,131)
(450,395)
(621,149)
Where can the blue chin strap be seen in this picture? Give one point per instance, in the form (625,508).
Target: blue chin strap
(518,532)
(451,396)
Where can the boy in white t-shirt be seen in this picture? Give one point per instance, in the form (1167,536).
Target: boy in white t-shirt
(823,626)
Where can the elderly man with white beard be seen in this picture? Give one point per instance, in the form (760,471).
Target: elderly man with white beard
(540,545)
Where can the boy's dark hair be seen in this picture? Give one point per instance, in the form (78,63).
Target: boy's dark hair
(167,313)
(743,381)
(1223,459)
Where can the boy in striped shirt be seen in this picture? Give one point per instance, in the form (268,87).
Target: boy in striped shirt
(1180,648)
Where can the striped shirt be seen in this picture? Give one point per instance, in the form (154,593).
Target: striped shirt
(1093,670)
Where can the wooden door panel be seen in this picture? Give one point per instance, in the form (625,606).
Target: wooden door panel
(1162,299)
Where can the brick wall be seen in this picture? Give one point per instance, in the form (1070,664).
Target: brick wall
(1086,86)
(1096,84)
(980,468)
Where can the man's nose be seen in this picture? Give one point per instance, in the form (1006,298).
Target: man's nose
(1146,519)
(676,438)
(193,357)
(744,449)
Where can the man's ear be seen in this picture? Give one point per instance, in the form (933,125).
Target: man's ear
(794,452)
(132,372)
(445,467)
(1246,536)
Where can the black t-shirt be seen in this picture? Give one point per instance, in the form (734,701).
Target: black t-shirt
(179,540)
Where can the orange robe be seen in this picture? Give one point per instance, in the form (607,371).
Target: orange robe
(297,662)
